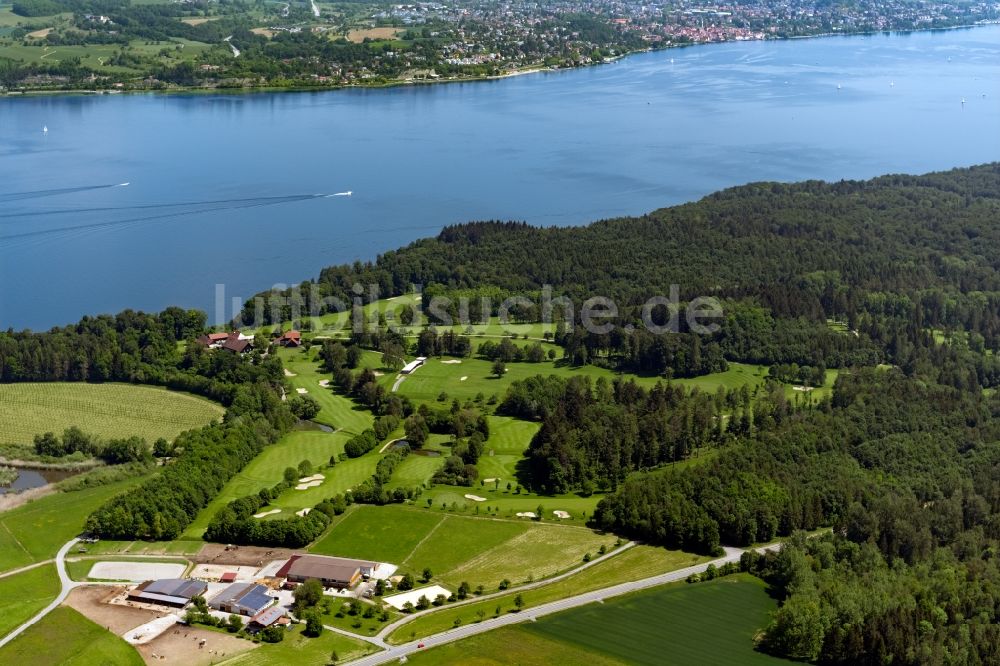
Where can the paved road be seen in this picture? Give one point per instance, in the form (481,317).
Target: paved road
(394,653)
(67,587)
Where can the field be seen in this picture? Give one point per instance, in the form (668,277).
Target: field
(24,594)
(509,645)
(631,564)
(37,530)
(296,649)
(266,470)
(80,643)
(358,36)
(481,551)
(706,623)
(106,410)
(95,55)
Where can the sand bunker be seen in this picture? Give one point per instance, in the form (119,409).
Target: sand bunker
(314,477)
(527,514)
(451,361)
(289,373)
(463,379)
(303,512)
(803,388)
(266,513)
(475,498)
(325,383)
(492,479)
(307,486)
(561,514)
(301,390)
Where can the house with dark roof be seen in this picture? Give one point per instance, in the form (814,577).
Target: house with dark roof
(339,572)
(238,343)
(242,599)
(175,592)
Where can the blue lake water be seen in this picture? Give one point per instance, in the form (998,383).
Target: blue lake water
(220,185)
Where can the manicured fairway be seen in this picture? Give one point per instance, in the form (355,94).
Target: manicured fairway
(106,410)
(37,530)
(336,411)
(416,470)
(24,594)
(704,623)
(298,650)
(67,638)
(268,468)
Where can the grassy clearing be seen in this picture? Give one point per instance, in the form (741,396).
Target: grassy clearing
(296,649)
(632,564)
(706,623)
(456,542)
(481,551)
(385,534)
(24,594)
(267,469)
(37,530)
(509,645)
(95,55)
(143,548)
(106,410)
(365,626)
(80,643)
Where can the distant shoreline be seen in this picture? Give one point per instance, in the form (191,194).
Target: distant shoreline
(532,69)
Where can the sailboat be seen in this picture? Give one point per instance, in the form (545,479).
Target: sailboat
(45,129)
(838,86)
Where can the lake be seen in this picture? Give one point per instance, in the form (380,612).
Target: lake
(221,185)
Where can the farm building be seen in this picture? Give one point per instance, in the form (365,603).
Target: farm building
(289,339)
(176,592)
(238,343)
(337,572)
(242,599)
(413,365)
(265,618)
(213,340)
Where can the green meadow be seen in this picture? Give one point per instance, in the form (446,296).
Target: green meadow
(35,531)
(297,649)
(481,551)
(705,623)
(680,624)
(106,410)
(80,643)
(24,594)
(633,563)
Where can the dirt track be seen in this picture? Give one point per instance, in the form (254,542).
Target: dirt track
(257,556)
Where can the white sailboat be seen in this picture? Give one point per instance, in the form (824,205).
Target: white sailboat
(45,129)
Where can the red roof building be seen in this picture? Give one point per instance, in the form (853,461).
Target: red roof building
(290,339)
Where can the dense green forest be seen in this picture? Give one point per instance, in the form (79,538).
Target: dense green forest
(893,281)
(893,259)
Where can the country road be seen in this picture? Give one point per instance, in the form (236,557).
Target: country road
(394,653)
